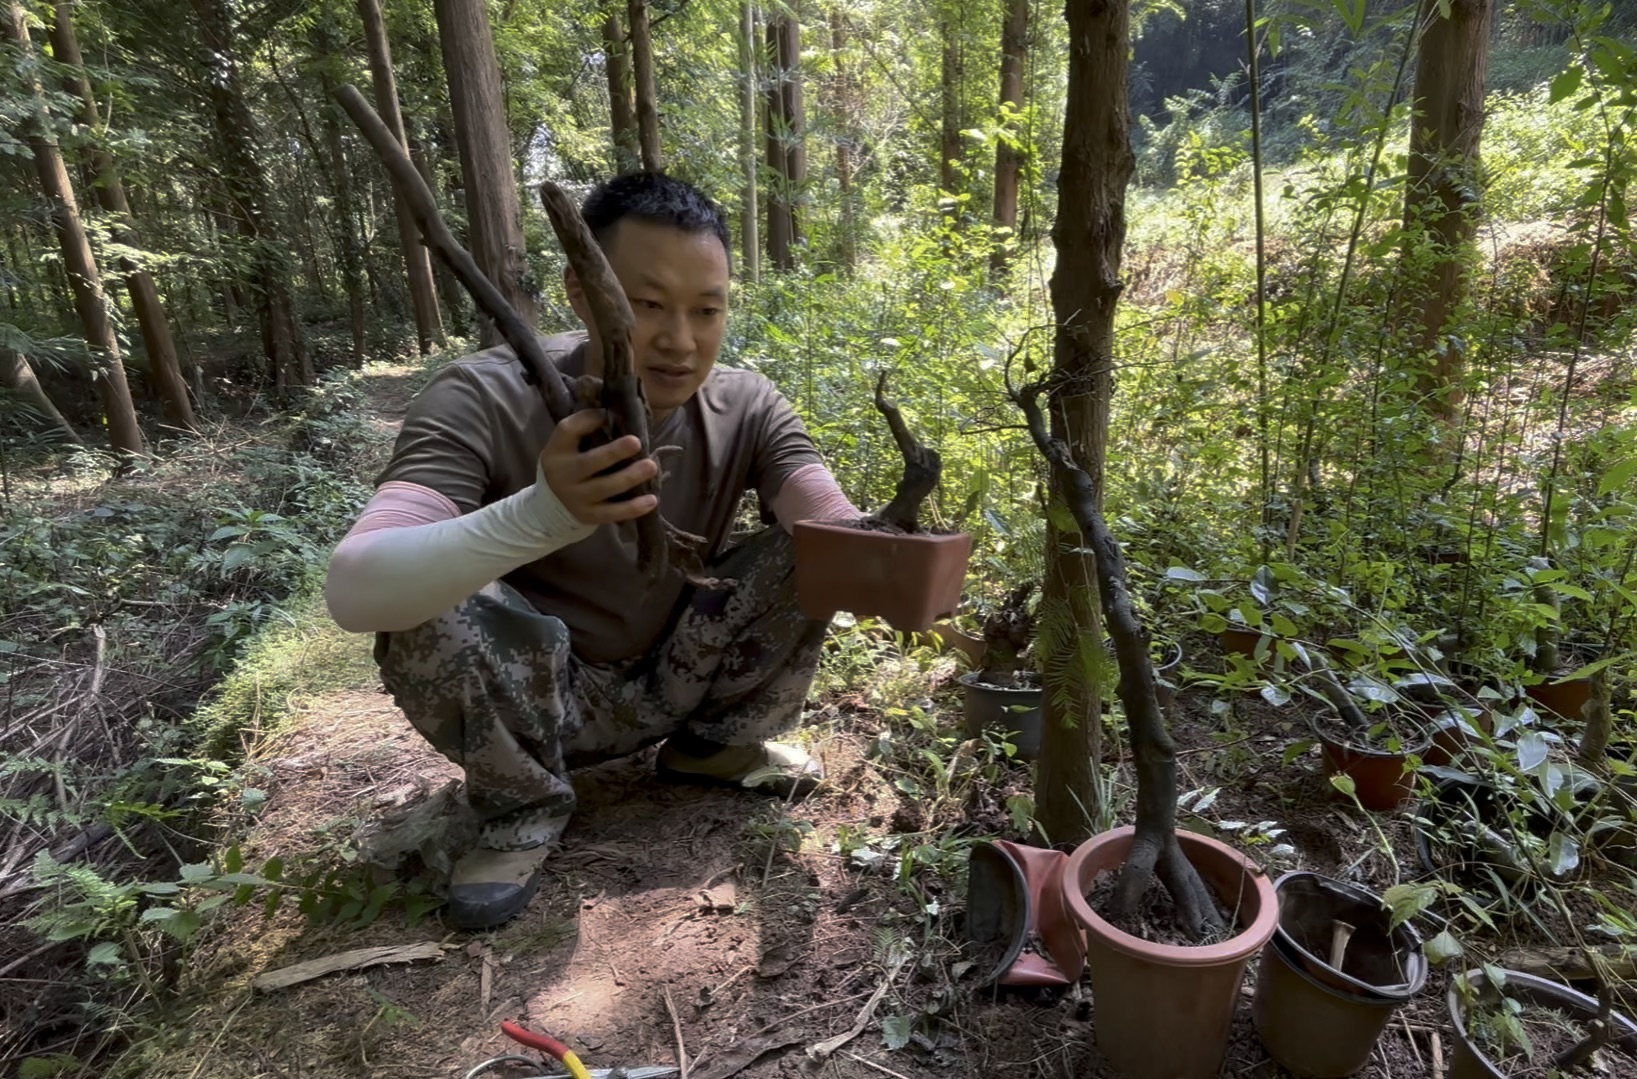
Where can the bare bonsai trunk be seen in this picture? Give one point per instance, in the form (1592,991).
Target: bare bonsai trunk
(417,263)
(1440,200)
(642,65)
(1155,847)
(110,192)
(622,115)
(923,467)
(83,277)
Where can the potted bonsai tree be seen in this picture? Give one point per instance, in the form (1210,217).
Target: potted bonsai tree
(1003,692)
(886,565)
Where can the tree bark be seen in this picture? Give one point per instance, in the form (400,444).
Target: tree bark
(786,138)
(1441,201)
(17,375)
(1014,54)
(83,277)
(642,65)
(493,213)
(841,107)
(622,113)
(1089,236)
(949,136)
(166,369)
(247,189)
(417,263)
(749,225)
(352,265)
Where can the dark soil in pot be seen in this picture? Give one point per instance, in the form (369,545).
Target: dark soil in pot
(1553,1017)
(1377,758)
(1155,918)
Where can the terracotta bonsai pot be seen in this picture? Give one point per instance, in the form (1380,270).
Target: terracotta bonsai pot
(1322,1021)
(1382,778)
(911,581)
(1163,1011)
(1468,1061)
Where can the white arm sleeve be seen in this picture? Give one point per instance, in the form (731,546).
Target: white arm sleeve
(386,577)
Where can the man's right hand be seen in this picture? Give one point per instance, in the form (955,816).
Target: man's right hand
(574,476)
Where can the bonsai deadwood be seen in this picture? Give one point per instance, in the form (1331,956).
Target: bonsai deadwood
(659,544)
(1006,635)
(1154,848)
(922,467)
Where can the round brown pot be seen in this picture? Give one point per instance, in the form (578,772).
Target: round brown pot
(1241,641)
(1456,731)
(1162,1011)
(1322,1021)
(909,580)
(1467,1061)
(1382,778)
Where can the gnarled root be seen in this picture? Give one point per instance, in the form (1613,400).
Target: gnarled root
(1162,854)
(922,467)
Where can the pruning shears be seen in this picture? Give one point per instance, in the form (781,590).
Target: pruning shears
(566,1056)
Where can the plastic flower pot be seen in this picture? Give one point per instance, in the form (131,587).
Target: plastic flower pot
(1163,1011)
(1320,1020)
(1241,641)
(1456,731)
(1003,708)
(1382,778)
(909,580)
(1468,1061)
(1565,698)
(1167,657)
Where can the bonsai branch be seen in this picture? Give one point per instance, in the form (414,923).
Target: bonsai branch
(659,544)
(1154,849)
(922,467)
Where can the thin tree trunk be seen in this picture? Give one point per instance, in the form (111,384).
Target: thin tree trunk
(1441,201)
(165,368)
(749,225)
(841,105)
(493,213)
(1090,233)
(417,262)
(622,113)
(352,269)
(642,64)
(949,136)
(786,139)
(246,184)
(83,276)
(17,375)
(1014,46)
(454,297)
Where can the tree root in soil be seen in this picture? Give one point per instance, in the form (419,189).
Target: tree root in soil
(923,467)
(1154,848)
(660,545)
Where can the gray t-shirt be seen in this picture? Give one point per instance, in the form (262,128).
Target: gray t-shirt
(474,435)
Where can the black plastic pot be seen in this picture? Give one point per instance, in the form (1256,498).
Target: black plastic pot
(1318,1020)
(1469,1062)
(1003,708)
(1484,852)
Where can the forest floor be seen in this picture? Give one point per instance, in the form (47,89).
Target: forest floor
(753,932)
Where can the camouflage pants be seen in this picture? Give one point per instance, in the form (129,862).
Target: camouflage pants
(494,686)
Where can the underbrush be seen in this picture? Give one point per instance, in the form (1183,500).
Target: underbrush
(127,597)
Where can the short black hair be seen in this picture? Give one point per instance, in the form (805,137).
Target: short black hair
(656,197)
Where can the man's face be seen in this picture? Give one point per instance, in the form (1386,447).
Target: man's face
(677,283)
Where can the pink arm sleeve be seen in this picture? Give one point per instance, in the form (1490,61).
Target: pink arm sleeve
(397,504)
(812,494)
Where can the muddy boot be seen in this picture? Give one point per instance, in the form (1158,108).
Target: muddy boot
(491,887)
(775,768)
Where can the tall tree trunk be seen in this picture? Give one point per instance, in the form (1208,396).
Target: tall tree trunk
(749,225)
(622,113)
(786,137)
(454,297)
(1089,236)
(110,192)
(247,189)
(642,64)
(18,376)
(417,261)
(1014,54)
(352,263)
(493,213)
(949,137)
(83,277)
(841,107)
(1440,202)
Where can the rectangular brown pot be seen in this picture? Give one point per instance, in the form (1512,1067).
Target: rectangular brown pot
(911,581)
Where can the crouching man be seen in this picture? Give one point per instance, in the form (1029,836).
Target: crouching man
(512,626)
